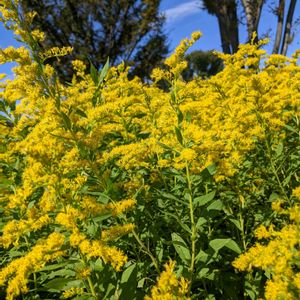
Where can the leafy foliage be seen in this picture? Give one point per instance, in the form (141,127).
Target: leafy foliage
(116,189)
(129,31)
(202,64)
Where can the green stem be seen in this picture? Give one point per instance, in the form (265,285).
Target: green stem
(35,281)
(92,288)
(193,226)
(34,274)
(89,279)
(242,223)
(146,250)
(275,173)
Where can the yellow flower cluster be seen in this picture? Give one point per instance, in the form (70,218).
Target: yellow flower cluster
(79,151)
(279,257)
(14,229)
(74,291)
(116,231)
(98,249)
(56,52)
(17,272)
(168,287)
(52,128)
(10,17)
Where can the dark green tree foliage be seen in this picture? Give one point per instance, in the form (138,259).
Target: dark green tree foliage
(202,64)
(123,30)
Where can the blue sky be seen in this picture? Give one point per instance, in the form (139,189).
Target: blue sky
(186,16)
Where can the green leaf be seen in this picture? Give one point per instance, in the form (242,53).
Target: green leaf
(253,295)
(80,113)
(57,284)
(218,244)
(232,245)
(62,273)
(202,200)
(210,297)
(159,251)
(2,106)
(184,226)
(173,97)
(166,147)
(202,256)
(208,172)
(279,149)
(129,282)
(104,71)
(84,297)
(290,128)
(179,135)
(5,119)
(201,221)
(216,205)
(15,253)
(172,197)
(179,116)
(188,117)
(66,120)
(93,73)
(54,267)
(109,289)
(274,197)
(31,204)
(181,248)
(287,179)
(141,283)
(127,273)
(203,272)
(237,223)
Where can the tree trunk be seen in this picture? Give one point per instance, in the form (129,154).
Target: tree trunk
(280,15)
(228,25)
(233,29)
(224,35)
(253,10)
(287,30)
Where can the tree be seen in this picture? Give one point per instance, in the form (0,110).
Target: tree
(252,9)
(123,30)
(229,21)
(226,13)
(279,11)
(288,25)
(202,64)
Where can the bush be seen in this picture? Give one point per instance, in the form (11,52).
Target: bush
(105,179)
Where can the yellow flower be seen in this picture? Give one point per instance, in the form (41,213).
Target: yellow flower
(83,273)
(276,257)
(296,192)
(168,286)
(262,233)
(277,206)
(188,154)
(21,268)
(74,291)
(121,206)
(116,231)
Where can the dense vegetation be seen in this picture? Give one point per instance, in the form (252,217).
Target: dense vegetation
(116,189)
(123,30)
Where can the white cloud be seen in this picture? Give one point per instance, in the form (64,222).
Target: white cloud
(182,10)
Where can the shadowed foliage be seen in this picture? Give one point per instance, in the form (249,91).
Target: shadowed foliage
(129,31)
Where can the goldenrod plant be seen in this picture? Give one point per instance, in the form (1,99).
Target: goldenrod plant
(106,180)
(279,256)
